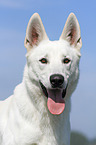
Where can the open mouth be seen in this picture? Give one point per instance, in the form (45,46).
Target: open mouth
(55,102)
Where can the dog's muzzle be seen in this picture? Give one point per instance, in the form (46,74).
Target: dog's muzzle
(55,94)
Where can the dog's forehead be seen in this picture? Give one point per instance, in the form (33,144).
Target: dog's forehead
(54,47)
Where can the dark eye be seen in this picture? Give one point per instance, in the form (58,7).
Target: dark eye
(66,60)
(43,60)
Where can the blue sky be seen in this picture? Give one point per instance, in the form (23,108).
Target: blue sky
(14,16)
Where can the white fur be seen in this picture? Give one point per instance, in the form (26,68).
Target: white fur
(24,116)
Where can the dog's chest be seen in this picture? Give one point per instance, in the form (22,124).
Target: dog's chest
(30,135)
(44,133)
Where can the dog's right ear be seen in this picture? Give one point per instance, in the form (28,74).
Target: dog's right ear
(35,32)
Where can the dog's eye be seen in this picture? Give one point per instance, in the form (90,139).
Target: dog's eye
(66,60)
(43,60)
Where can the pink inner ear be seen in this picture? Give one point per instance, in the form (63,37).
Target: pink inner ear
(35,36)
(72,35)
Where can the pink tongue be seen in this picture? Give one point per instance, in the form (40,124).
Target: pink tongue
(55,102)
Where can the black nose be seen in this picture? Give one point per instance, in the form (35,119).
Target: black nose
(56,80)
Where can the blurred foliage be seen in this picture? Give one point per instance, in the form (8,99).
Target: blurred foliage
(80,139)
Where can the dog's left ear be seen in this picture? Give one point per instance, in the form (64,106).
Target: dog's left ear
(35,32)
(71,32)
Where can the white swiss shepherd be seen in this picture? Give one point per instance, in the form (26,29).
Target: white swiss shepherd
(38,112)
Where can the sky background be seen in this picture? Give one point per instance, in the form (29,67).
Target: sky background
(14,17)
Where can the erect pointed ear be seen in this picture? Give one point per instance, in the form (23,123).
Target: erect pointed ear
(71,32)
(35,32)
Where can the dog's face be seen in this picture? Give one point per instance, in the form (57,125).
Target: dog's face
(53,64)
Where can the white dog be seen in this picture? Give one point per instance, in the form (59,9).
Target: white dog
(38,112)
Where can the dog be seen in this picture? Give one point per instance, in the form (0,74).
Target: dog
(38,112)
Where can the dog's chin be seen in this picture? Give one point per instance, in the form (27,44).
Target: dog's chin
(55,96)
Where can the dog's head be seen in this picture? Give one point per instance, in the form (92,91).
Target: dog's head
(54,65)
